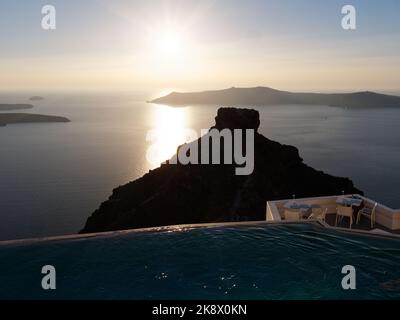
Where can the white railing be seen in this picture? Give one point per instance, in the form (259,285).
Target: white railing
(385,216)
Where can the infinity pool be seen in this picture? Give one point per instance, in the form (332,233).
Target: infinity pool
(292,261)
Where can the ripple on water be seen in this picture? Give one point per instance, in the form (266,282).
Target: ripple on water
(293,261)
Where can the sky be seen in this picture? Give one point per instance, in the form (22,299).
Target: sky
(189,45)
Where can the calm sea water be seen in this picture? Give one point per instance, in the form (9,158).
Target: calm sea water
(299,261)
(52,176)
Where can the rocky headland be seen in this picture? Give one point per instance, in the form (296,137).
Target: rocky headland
(264,96)
(185,194)
(9,107)
(14,118)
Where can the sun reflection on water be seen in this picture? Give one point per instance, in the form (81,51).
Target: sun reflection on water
(168,132)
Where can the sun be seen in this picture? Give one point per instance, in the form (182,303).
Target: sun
(170,50)
(171,45)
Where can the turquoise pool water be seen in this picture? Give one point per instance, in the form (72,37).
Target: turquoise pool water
(295,261)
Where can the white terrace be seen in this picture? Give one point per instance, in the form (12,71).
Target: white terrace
(344,211)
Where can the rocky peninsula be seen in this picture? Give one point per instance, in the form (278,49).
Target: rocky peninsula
(9,107)
(264,96)
(184,194)
(13,118)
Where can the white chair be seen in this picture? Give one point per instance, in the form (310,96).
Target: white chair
(291,215)
(343,211)
(318,213)
(369,213)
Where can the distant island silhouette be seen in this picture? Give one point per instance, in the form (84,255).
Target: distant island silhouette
(265,96)
(14,118)
(185,194)
(36,98)
(9,107)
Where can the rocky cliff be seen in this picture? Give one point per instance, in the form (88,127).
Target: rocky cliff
(182,194)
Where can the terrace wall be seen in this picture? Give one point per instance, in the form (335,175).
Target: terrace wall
(385,216)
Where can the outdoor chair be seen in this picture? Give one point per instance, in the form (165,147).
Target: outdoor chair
(318,213)
(343,211)
(292,215)
(369,213)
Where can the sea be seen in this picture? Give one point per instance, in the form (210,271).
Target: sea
(54,175)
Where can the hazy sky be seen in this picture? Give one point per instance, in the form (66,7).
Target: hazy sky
(192,45)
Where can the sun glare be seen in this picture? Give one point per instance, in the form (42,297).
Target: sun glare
(171,45)
(171,50)
(168,133)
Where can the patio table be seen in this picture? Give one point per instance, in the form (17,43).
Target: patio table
(300,205)
(349,201)
(304,208)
